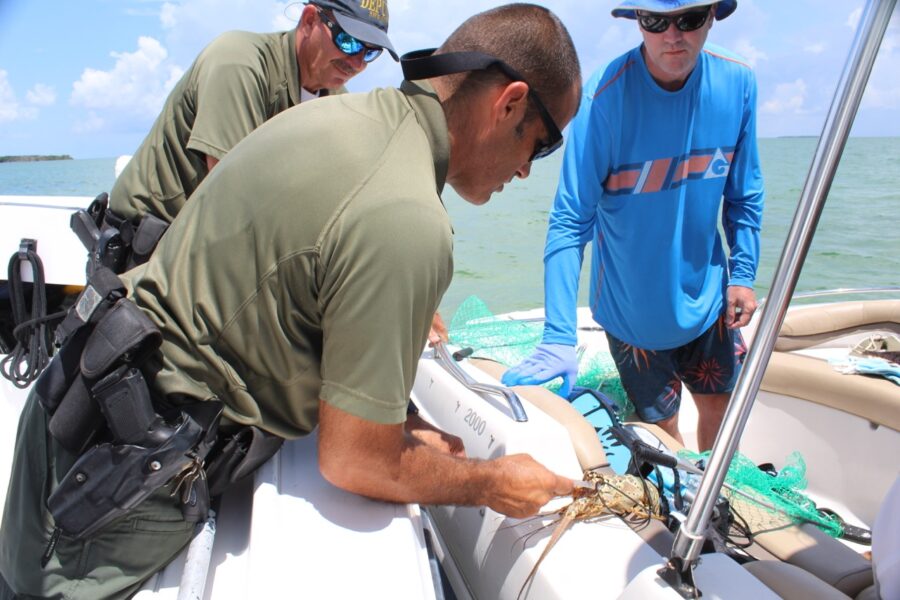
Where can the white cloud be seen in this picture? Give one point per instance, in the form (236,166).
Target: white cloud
(92,123)
(10,109)
(192,24)
(815,48)
(853,18)
(287,16)
(788,98)
(750,52)
(137,85)
(41,95)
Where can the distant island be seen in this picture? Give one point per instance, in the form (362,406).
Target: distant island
(34,158)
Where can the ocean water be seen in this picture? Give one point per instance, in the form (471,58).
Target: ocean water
(498,247)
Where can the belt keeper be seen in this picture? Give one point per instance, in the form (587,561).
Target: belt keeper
(26,246)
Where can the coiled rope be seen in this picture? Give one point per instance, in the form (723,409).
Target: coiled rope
(31,354)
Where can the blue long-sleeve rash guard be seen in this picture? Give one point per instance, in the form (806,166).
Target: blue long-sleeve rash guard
(644,174)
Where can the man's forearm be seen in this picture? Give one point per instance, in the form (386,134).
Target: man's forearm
(414,472)
(386,463)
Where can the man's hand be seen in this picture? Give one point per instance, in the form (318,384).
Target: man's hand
(436,438)
(524,486)
(741,306)
(547,362)
(438,331)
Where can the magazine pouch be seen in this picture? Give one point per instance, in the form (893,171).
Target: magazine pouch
(147,235)
(238,456)
(102,292)
(57,378)
(123,336)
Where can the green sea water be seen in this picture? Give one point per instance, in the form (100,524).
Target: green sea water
(498,247)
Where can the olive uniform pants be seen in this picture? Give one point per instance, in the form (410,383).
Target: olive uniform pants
(112,563)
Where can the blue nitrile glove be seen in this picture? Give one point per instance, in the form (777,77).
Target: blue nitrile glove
(547,362)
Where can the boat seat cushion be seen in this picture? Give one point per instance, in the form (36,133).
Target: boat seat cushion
(804,546)
(805,327)
(812,379)
(808,547)
(792,583)
(588,448)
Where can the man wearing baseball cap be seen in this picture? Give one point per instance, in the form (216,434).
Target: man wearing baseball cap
(237,83)
(664,138)
(294,293)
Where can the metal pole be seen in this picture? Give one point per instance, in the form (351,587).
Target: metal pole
(196,563)
(873,23)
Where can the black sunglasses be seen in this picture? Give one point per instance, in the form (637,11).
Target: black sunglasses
(348,44)
(425,64)
(688,21)
(542,148)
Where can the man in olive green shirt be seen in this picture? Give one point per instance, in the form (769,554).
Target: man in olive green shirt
(237,83)
(298,285)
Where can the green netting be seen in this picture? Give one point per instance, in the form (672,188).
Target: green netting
(782,493)
(510,341)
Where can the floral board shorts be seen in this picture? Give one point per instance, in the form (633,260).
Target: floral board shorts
(653,378)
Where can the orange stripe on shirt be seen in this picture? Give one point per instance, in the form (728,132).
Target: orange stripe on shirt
(699,164)
(622,180)
(657,175)
(616,76)
(728,58)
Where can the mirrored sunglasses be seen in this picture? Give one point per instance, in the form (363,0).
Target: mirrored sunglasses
(688,21)
(348,44)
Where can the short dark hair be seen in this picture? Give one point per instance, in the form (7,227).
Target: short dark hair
(530,38)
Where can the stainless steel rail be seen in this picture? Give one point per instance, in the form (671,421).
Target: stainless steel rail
(442,355)
(688,541)
(844,292)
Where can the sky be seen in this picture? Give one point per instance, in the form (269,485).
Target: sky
(88,77)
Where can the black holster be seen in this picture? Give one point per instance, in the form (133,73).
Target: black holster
(111,478)
(115,242)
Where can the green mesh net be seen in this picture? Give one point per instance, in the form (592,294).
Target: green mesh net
(777,500)
(510,341)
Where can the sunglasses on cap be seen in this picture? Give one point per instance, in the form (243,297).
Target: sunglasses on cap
(688,21)
(348,44)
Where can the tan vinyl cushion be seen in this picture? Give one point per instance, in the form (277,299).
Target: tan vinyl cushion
(870,593)
(811,549)
(587,445)
(792,583)
(804,546)
(813,379)
(804,327)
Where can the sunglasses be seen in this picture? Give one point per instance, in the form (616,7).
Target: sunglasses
(425,64)
(348,44)
(542,148)
(688,21)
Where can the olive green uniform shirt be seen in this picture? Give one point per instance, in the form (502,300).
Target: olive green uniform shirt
(309,264)
(237,83)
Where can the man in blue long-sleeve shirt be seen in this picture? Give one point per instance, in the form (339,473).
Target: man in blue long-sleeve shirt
(664,139)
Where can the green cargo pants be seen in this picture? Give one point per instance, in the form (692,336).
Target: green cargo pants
(112,563)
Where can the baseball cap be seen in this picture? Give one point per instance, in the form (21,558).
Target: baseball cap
(627,8)
(366,20)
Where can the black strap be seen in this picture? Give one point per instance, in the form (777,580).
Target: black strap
(104,288)
(31,354)
(425,64)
